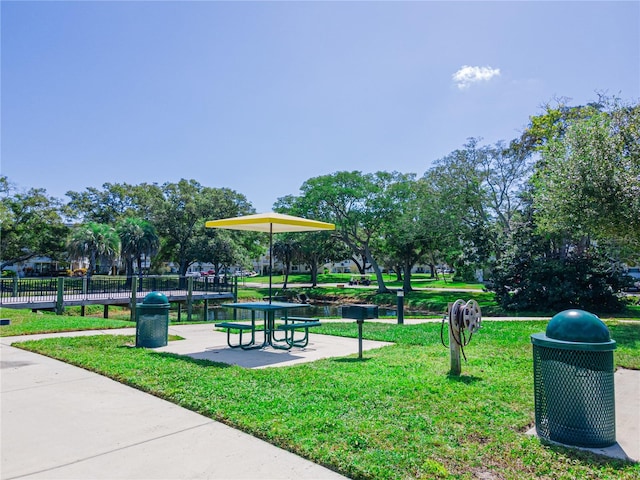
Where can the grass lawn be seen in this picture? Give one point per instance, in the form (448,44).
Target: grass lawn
(418,280)
(395,414)
(24,322)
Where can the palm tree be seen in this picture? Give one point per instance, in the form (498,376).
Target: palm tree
(138,237)
(286,250)
(93,240)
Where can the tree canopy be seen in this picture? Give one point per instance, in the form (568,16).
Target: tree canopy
(570,183)
(588,180)
(31,225)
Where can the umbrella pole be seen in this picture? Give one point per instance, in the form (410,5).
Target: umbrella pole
(270,258)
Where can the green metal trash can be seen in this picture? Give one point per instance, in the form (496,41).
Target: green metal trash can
(573,381)
(152,321)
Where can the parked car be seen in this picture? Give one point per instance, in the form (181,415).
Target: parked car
(245,273)
(193,274)
(634,273)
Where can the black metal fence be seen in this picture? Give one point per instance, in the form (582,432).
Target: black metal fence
(81,288)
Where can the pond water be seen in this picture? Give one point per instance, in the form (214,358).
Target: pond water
(216,314)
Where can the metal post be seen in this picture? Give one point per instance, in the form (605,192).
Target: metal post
(270,258)
(400,307)
(105,311)
(60,299)
(360,322)
(134,300)
(189,298)
(235,289)
(454,346)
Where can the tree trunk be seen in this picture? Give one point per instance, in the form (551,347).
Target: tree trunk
(382,288)
(128,267)
(398,269)
(286,275)
(314,273)
(358,266)
(406,285)
(92,264)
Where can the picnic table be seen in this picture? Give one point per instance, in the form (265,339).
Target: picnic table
(271,330)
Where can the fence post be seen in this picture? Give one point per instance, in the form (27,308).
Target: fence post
(189,298)
(235,290)
(454,347)
(60,298)
(15,286)
(134,300)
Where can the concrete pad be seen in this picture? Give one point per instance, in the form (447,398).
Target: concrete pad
(203,342)
(59,421)
(627,395)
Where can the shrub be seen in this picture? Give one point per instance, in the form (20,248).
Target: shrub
(551,282)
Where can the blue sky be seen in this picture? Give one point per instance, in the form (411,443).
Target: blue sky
(261,96)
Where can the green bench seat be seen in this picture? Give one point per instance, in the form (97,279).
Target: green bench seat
(237,326)
(242,327)
(296,323)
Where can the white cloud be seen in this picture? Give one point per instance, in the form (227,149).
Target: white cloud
(467,75)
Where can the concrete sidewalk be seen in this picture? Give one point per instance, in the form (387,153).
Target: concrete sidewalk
(63,422)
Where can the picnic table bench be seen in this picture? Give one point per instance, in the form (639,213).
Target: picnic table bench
(242,327)
(291,324)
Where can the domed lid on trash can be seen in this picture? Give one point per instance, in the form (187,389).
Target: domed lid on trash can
(575,330)
(155,298)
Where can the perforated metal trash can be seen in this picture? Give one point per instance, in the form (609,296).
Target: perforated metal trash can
(573,381)
(152,321)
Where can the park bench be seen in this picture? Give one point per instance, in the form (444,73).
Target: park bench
(296,323)
(242,327)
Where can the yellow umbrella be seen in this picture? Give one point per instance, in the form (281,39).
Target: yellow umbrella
(272,223)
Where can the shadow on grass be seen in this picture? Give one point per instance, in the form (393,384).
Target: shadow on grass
(466,379)
(589,457)
(351,360)
(196,361)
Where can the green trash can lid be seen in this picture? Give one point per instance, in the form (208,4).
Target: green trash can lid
(578,326)
(155,298)
(576,329)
